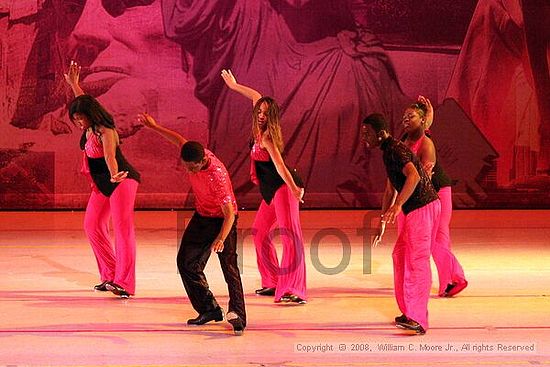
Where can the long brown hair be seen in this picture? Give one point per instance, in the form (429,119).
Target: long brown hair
(272,125)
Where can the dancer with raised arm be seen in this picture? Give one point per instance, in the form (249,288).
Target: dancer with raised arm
(213,227)
(281,193)
(417,118)
(114,185)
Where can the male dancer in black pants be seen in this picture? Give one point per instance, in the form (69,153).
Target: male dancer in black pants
(213,227)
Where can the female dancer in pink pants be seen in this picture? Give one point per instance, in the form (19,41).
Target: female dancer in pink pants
(281,196)
(416,119)
(114,185)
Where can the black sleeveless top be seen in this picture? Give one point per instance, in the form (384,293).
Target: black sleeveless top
(100,172)
(270,180)
(440,179)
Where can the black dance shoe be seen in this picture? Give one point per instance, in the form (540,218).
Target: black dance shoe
(203,318)
(265,291)
(411,325)
(117,290)
(401,318)
(101,287)
(454,288)
(293,298)
(236,322)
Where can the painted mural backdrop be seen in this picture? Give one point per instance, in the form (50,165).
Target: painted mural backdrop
(329,63)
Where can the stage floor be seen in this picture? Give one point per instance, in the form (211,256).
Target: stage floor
(51,316)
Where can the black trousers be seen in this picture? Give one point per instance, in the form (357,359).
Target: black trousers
(193,254)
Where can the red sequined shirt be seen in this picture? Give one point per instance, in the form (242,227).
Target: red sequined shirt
(212,188)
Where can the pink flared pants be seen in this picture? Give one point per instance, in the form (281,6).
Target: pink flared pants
(411,261)
(116,265)
(290,276)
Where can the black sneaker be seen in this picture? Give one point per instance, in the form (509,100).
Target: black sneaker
(236,322)
(214,315)
(101,287)
(265,291)
(454,288)
(401,318)
(411,325)
(117,290)
(293,298)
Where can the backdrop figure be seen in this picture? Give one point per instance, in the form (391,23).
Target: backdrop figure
(507,93)
(130,66)
(310,56)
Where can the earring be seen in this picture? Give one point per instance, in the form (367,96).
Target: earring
(379,138)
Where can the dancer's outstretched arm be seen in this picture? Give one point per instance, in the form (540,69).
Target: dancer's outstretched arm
(168,134)
(430,110)
(231,82)
(72,77)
